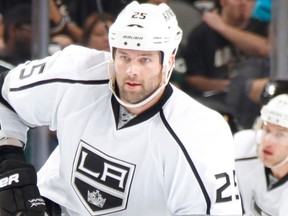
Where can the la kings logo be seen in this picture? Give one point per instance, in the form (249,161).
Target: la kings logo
(101,182)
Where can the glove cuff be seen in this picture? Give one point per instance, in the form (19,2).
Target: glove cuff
(8,152)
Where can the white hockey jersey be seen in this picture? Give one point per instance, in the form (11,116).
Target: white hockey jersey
(260,196)
(177,158)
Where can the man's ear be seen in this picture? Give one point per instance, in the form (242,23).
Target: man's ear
(168,67)
(171,62)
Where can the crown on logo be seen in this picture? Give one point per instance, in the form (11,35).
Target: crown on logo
(96,198)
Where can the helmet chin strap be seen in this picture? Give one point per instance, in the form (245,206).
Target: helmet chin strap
(142,103)
(281,163)
(136,105)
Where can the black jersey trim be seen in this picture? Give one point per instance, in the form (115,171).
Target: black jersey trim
(43,82)
(188,158)
(147,113)
(280,182)
(245,159)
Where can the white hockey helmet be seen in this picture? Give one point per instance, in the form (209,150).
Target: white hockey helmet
(276,111)
(146,27)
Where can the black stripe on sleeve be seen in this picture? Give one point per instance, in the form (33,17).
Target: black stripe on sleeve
(245,159)
(188,158)
(43,82)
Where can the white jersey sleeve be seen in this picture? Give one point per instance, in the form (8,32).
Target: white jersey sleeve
(40,84)
(245,143)
(11,126)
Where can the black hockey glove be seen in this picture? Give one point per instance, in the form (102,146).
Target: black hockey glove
(19,194)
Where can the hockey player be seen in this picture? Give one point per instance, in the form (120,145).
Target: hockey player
(130,143)
(262,169)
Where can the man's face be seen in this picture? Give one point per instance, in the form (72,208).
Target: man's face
(273,147)
(99,36)
(238,10)
(138,74)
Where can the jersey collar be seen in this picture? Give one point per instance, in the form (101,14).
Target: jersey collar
(146,114)
(270,185)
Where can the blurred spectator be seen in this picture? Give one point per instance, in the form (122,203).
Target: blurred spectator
(255,88)
(80,10)
(1,32)
(63,30)
(6,5)
(62,27)
(17,35)
(206,5)
(252,74)
(95,31)
(157,2)
(247,36)
(261,17)
(211,58)
(262,10)
(245,90)
(243,109)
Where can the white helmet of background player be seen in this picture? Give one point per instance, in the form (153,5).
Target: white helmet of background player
(276,112)
(145,27)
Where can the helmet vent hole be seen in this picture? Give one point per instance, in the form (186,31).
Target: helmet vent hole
(125,43)
(138,44)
